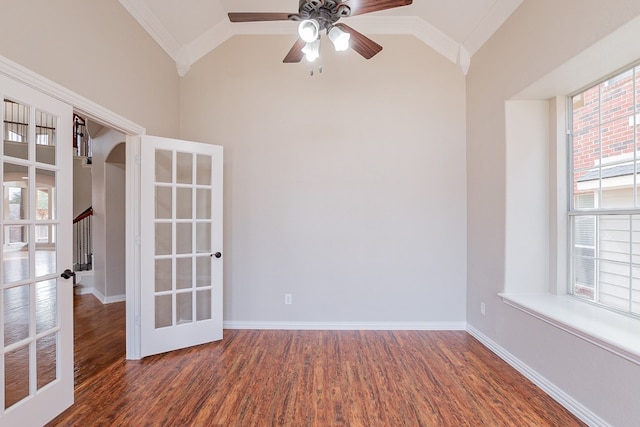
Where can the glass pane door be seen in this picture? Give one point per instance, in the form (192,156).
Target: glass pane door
(36,309)
(182,292)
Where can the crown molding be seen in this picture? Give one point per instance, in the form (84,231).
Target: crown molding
(458,53)
(489,24)
(152,25)
(187,55)
(407,25)
(464,60)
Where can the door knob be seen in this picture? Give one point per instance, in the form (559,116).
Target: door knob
(67,274)
(217,255)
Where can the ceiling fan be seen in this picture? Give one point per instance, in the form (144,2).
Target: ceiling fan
(318,15)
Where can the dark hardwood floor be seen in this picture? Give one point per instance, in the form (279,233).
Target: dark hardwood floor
(98,336)
(303,378)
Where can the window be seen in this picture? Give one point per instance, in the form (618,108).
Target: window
(605,204)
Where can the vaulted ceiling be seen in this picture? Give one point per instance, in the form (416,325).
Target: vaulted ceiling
(189,29)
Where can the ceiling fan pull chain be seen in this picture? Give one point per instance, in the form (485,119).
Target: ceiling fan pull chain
(312,72)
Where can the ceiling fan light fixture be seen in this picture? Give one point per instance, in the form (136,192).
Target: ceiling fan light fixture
(339,38)
(309,30)
(312,50)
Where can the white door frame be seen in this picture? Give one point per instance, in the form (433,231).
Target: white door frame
(133,258)
(132,130)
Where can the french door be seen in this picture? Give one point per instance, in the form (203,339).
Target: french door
(181,244)
(36,303)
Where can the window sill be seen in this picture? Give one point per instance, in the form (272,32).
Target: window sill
(611,331)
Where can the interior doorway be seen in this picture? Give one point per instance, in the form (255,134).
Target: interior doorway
(99,303)
(100,185)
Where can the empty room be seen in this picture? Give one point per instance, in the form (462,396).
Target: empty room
(320,213)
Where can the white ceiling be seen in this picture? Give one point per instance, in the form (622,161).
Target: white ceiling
(189,29)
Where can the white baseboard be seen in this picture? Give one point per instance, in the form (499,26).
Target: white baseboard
(81,289)
(84,277)
(84,290)
(572,405)
(349,326)
(113,298)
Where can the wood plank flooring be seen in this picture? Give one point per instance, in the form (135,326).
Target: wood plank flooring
(99,336)
(312,378)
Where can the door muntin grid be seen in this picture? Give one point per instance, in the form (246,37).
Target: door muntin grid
(183,236)
(30,307)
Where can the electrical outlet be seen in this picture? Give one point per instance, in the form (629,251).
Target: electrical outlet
(288,299)
(482,309)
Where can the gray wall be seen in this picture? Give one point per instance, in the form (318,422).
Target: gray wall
(115,236)
(540,37)
(108,201)
(354,194)
(345,189)
(96,49)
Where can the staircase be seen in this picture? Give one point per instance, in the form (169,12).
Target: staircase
(83,259)
(83,252)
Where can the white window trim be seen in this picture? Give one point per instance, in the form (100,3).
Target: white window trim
(616,182)
(614,332)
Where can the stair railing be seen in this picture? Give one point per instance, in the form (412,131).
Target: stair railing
(81,138)
(83,254)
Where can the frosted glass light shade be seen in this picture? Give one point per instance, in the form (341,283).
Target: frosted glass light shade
(312,50)
(309,30)
(339,38)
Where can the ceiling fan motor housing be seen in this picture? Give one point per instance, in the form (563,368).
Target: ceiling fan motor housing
(326,12)
(323,15)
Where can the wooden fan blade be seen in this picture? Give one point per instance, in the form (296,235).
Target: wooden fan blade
(258,16)
(361,43)
(295,54)
(359,7)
